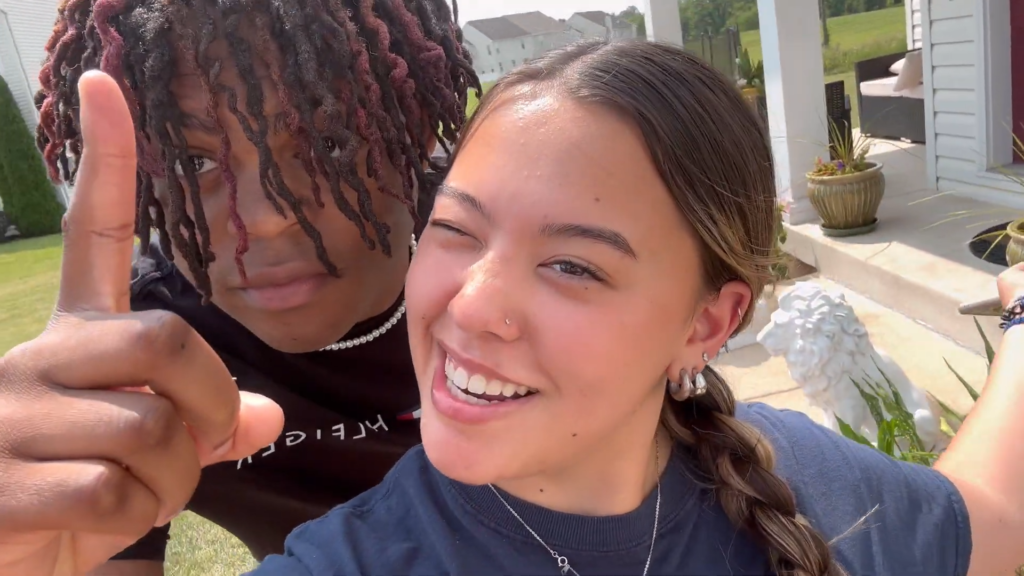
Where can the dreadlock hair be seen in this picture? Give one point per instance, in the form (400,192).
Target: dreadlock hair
(372,73)
(713,154)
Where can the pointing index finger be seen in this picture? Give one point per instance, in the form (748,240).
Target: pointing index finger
(99,228)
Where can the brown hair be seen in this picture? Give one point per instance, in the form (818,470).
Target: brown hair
(713,153)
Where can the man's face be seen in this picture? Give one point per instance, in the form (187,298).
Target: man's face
(288,299)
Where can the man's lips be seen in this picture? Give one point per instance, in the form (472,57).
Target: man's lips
(283,288)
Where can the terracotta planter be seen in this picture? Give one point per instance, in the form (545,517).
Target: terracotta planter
(847,205)
(1015,249)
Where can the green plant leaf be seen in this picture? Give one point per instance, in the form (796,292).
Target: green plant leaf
(874,406)
(948,412)
(848,432)
(990,352)
(886,439)
(906,427)
(970,390)
(922,458)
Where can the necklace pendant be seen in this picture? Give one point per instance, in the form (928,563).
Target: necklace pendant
(563,563)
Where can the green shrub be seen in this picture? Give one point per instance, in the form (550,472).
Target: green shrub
(29,199)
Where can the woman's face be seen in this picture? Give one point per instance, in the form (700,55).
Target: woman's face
(558,278)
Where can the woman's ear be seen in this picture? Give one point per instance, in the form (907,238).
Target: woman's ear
(717,319)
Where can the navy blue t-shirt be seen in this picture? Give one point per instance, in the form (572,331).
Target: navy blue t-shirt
(420,522)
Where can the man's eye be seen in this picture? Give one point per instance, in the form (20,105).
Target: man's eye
(332,147)
(199,165)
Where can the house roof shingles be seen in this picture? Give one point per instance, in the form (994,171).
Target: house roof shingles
(598,17)
(595,16)
(517,25)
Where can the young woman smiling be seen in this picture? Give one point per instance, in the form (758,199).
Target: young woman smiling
(605,226)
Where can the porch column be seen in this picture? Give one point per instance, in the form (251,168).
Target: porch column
(795,88)
(662,20)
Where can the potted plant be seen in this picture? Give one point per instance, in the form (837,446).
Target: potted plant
(846,191)
(751,78)
(1015,248)
(1015,230)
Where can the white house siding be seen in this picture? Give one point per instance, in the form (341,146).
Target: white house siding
(586,28)
(493,59)
(915,31)
(25,27)
(613,28)
(952,39)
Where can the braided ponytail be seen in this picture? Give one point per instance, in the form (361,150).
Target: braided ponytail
(737,461)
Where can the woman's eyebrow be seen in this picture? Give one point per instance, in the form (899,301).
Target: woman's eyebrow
(464,198)
(599,234)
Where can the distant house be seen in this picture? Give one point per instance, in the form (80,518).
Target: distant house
(597,24)
(498,45)
(25,26)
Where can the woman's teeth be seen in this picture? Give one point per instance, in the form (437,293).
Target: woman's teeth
(477,389)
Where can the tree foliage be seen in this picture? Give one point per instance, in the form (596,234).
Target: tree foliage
(29,199)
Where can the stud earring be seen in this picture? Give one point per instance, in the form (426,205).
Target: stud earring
(705,357)
(681,390)
(508,322)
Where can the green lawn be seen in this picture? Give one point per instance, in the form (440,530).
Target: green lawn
(848,32)
(473,101)
(851,39)
(29,277)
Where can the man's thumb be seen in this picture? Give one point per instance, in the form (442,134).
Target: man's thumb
(260,423)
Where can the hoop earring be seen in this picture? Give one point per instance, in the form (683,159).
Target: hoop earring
(700,384)
(681,390)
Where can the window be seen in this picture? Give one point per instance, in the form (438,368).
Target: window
(489,51)
(513,63)
(523,44)
(501,67)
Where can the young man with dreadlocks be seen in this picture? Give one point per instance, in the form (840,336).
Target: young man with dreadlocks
(283,148)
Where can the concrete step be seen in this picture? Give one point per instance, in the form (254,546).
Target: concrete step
(919,351)
(916,262)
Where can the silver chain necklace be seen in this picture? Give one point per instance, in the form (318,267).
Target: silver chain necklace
(563,562)
(352,342)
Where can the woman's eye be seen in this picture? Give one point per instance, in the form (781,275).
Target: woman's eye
(446,227)
(576,270)
(199,164)
(570,268)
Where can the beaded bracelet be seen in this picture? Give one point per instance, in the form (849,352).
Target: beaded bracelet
(1013,315)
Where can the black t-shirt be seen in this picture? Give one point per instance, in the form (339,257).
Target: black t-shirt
(350,415)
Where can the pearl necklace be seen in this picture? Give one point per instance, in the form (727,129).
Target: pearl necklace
(353,342)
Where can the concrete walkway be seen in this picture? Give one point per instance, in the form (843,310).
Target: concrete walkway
(757,377)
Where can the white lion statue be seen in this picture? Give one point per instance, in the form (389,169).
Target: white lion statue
(827,347)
